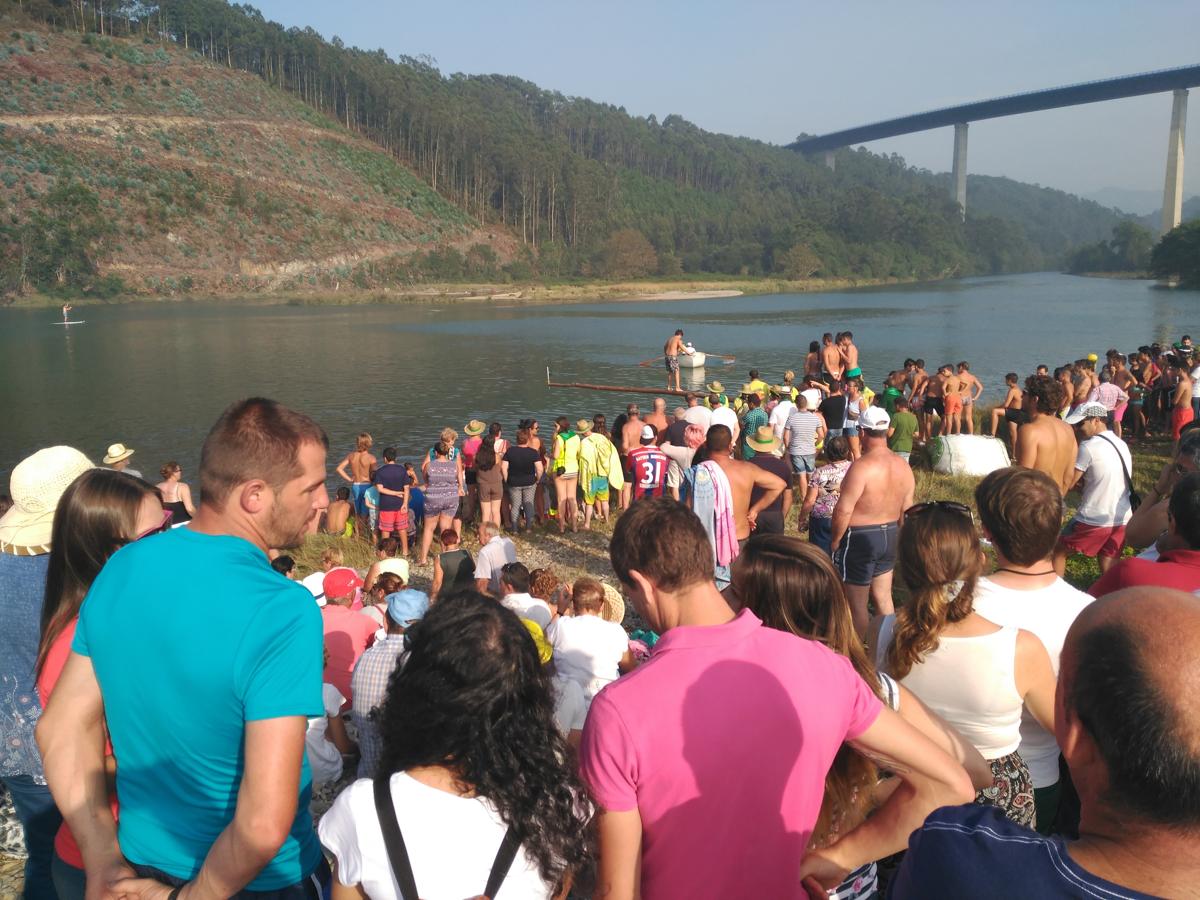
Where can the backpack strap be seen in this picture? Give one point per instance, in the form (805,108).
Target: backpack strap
(503,862)
(393,840)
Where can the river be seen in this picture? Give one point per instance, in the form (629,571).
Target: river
(156,375)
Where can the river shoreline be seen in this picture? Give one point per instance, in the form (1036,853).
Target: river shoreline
(497,295)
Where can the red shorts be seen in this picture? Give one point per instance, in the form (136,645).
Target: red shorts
(954,404)
(1179,418)
(393,520)
(1094,540)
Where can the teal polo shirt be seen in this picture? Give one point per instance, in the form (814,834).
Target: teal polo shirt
(191,636)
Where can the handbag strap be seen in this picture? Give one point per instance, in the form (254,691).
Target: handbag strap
(1124,468)
(397,852)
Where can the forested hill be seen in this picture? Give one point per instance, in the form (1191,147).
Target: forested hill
(590,190)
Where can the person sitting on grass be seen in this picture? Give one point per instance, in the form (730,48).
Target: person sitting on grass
(453,568)
(338,519)
(514,585)
(588,648)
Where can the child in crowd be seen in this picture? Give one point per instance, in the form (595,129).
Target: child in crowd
(587,648)
(325,743)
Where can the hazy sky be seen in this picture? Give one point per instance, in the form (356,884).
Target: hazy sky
(771,69)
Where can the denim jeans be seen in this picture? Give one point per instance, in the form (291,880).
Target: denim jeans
(521,498)
(805,463)
(40,819)
(69,882)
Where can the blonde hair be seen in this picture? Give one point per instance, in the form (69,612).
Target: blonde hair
(364,442)
(331,557)
(449,436)
(940,561)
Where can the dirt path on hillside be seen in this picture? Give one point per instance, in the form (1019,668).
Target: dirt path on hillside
(111,120)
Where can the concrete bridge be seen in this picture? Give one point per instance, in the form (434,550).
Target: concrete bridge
(1175,80)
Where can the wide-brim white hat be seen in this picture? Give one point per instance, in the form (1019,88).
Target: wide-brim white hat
(36,485)
(116,453)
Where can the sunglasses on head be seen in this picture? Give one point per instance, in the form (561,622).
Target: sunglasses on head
(950,505)
(164,525)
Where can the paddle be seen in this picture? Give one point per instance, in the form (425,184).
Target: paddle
(653,359)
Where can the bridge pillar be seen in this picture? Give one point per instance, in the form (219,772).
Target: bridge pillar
(830,160)
(959,171)
(1172,209)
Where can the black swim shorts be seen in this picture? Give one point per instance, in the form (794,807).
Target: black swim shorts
(935,405)
(866,551)
(1016,415)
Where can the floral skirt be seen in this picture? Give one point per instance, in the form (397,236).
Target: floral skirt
(1011,790)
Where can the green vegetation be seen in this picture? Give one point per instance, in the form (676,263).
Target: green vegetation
(1177,255)
(1127,251)
(574,179)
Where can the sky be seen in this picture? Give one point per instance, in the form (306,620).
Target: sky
(771,69)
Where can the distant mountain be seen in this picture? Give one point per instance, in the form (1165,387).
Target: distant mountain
(1130,200)
(1191,210)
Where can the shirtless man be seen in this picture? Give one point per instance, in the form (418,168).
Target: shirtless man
(671,350)
(1125,380)
(953,391)
(935,402)
(972,390)
(658,418)
(361,464)
(877,489)
(339,512)
(67,307)
(831,360)
(1181,400)
(918,380)
(631,437)
(743,478)
(1047,443)
(848,351)
(1011,411)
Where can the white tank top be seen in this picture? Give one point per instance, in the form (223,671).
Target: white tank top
(971,683)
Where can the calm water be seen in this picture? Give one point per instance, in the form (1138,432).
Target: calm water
(155,376)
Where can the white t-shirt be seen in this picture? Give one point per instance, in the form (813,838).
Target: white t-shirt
(587,649)
(451,840)
(724,415)
(570,706)
(779,416)
(1105,499)
(1048,613)
(528,607)
(316,586)
(324,758)
(698,415)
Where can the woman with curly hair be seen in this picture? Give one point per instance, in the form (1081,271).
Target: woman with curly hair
(976,675)
(472,764)
(792,586)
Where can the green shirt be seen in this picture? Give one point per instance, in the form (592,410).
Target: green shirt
(905,425)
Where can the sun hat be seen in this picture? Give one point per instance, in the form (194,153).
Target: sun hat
(583,426)
(874,418)
(407,606)
(340,582)
(397,567)
(474,428)
(36,485)
(116,453)
(783,390)
(1087,411)
(763,440)
(613,609)
(715,387)
(544,650)
(749,388)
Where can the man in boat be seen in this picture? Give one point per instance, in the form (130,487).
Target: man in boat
(671,351)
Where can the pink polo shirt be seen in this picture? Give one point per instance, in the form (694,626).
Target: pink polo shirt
(722,741)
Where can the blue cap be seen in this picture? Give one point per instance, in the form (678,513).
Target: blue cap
(407,606)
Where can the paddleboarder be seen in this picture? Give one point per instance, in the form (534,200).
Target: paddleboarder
(67,307)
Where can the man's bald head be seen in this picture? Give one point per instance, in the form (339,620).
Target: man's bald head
(1130,675)
(659,404)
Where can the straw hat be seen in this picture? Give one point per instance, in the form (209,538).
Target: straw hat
(763,440)
(613,609)
(116,453)
(749,388)
(583,426)
(474,428)
(715,387)
(37,484)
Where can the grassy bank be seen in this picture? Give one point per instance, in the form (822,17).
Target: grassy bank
(573,291)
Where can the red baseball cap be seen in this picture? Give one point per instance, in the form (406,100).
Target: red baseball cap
(340,582)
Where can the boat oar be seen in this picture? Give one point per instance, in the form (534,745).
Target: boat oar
(653,359)
(721,356)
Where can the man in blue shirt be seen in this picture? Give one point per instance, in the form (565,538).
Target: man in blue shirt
(205,664)
(1128,725)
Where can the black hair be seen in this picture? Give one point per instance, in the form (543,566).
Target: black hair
(1184,508)
(848,334)
(920,363)
(473,696)
(495,429)
(753,374)
(1153,771)
(837,448)
(283,564)
(485,456)
(909,362)
(389,454)
(814,346)
(516,576)
(719,439)
(343,493)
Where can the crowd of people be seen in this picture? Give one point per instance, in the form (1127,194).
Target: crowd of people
(184,718)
